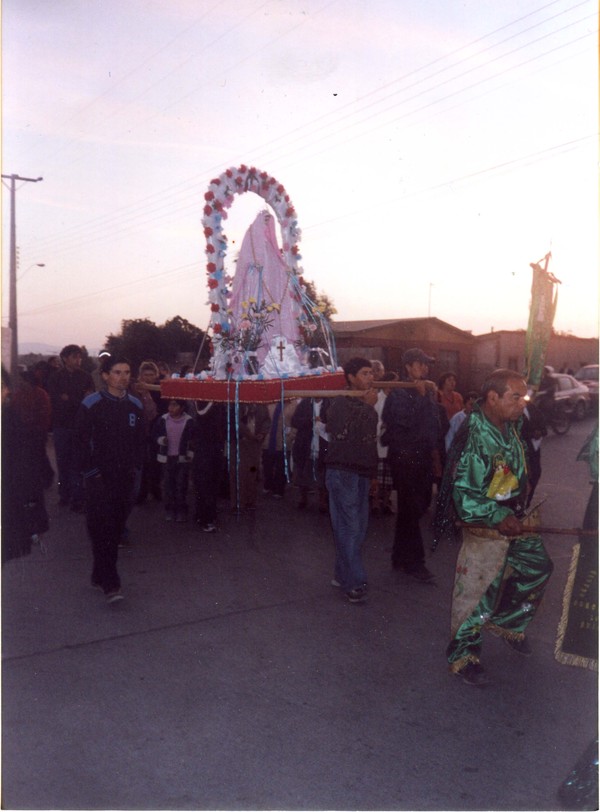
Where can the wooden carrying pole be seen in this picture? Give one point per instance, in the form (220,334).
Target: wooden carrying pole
(555,531)
(329,393)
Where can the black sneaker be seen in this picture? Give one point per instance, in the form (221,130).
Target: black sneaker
(474,674)
(114,596)
(357,595)
(421,574)
(521,646)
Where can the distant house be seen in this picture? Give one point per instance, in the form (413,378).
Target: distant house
(506,348)
(387,339)
(471,357)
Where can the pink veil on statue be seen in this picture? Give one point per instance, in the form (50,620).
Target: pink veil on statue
(262,274)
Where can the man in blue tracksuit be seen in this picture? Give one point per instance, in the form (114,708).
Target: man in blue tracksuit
(110,441)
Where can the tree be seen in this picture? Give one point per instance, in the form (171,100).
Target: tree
(139,339)
(320,299)
(180,335)
(142,339)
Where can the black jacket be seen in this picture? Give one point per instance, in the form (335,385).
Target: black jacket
(110,434)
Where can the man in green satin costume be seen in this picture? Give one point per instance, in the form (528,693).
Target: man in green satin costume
(502,566)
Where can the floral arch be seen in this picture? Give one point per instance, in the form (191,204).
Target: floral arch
(219,197)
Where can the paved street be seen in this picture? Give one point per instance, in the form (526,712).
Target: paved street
(234,676)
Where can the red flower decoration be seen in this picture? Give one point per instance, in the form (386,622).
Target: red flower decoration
(209,196)
(211,267)
(243,168)
(218,205)
(280,189)
(295,249)
(208,231)
(210,249)
(212,283)
(207,210)
(264,175)
(272,181)
(289,211)
(229,173)
(217,328)
(215,307)
(216,182)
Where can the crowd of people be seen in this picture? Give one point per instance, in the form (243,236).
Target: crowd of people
(118,443)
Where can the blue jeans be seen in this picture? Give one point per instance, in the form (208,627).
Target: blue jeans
(349,510)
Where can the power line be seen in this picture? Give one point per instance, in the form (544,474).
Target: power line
(114,85)
(339,119)
(310,125)
(505,165)
(141,219)
(130,225)
(76,300)
(435,102)
(193,192)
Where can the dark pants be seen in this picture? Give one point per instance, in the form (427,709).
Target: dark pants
(70,488)
(176,484)
(151,474)
(207,473)
(273,463)
(107,509)
(413,479)
(535,471)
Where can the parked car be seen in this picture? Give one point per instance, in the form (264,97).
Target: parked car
(588,375)
(572,395)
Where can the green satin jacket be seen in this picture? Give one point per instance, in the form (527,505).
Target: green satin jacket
(491,473)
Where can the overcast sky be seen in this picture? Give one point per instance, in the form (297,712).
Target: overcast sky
(432,150)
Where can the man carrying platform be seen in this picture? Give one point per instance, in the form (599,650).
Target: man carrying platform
(502,566)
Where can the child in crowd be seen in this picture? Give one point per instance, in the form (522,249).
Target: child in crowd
(174,435)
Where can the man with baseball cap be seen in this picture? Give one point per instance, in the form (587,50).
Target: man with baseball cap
(412,432)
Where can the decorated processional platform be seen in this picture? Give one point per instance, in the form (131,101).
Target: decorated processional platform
(269,340)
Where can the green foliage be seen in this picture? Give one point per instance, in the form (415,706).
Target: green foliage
(322,305)
(328,308)
(141,340)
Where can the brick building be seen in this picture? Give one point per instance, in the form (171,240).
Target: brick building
(387,339)
(470,357)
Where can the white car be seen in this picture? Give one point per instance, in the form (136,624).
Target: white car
(588,375)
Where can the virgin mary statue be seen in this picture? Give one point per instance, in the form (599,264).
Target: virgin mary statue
(264,289)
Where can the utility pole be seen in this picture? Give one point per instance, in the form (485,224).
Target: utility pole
(12,303)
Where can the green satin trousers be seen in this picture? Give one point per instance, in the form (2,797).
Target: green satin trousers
(509,603)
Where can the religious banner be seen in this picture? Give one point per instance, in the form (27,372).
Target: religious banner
(541,317)
(577,639)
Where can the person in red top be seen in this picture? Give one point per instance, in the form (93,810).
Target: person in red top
(450,399)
